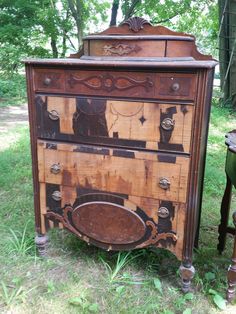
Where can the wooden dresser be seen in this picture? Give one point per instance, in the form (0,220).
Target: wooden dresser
(118,137)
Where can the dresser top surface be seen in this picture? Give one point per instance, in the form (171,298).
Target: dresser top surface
(124,63)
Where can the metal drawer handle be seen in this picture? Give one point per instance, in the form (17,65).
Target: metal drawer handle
(175,87)
(168,124)
(164,183)
(55,168)
(56,195)
(163,212)
(47,81)
(53,115)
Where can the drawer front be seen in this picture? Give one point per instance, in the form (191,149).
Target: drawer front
(49,80)
(149,125)
(126,48)
(118,84)
(126,172)
(113,221)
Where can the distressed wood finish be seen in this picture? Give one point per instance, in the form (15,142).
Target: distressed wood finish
(170,228)
(151,125)
(116,170)
(104,83)
(118,138)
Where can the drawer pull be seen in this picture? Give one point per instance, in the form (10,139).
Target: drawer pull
(53,115)
(175,87)
(56,195)
(168,124)
(164,183)
(163,212)
(47,81)
(55,168)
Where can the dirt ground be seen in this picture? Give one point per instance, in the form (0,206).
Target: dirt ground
(11,118)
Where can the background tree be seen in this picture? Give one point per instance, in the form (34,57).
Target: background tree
(227,51)
(54,28)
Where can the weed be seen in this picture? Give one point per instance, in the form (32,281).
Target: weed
(13,294)
(20,243)
(123,259)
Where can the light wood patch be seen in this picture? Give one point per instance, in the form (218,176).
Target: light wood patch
(132,176)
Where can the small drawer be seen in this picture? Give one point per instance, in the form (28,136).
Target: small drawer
(49,80)
(127,172)
(126,48)
(124,123)
(176,85)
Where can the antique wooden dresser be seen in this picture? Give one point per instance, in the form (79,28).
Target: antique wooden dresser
(118,137)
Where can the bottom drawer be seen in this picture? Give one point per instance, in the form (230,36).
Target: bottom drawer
(111,221)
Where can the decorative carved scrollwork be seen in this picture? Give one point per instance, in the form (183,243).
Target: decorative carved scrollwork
(120,49)
(109,83)
(65,221)
(152,240)
(155,237)
(136,23)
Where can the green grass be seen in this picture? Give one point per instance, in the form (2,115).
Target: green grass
(76,278)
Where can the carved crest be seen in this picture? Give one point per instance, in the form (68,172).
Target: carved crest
(136,23)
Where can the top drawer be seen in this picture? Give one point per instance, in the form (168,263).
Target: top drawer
(123,84)
(125,123)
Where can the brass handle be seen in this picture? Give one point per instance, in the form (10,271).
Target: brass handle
(164,183)
(168,124)
(55,168)
(163,212)
(175,87)
(56,195)
(53,115)
(47,81)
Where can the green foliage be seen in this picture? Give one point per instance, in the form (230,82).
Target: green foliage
(53,28)
(83,303)
(199,17)
(12,89)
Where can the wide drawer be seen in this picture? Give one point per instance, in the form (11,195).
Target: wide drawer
(117,83)
(113,221)
(125,123)
(127,172)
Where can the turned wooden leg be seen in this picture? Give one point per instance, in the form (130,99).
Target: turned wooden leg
(41,241)
(232,270)
(225,208)
(187,273)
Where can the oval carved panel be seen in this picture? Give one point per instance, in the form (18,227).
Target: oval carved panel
(108,223)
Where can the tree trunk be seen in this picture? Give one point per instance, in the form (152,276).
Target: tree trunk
(227,50)
(114,11)
(232,49)
(54,48)
(76,8)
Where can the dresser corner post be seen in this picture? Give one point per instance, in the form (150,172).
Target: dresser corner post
(41,241)
(231,291)
(187,272)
